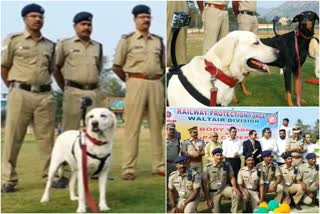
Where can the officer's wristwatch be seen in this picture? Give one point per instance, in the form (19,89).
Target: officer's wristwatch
(184,204)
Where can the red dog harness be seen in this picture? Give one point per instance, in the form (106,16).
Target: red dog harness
(217,74)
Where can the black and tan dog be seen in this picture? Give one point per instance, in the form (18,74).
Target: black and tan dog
(288,59)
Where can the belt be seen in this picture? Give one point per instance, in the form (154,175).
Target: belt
(248,13)
(213,190)
(145,76)
(217,6)
(71,83)
(31,88)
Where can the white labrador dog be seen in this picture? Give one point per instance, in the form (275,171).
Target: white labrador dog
(100,125)
(235,55)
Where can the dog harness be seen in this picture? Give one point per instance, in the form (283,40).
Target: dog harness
(101,159)
(215,74)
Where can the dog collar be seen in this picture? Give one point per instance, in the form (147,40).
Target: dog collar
(93,140)
(217,74)
(299,33)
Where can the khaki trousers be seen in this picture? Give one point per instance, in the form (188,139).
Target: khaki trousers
(297,190)
(72,113)
(216,26)
(191,207)
(253,197)
(23,108)
(181,42)
(143,95)
(247,23)
(279,190)
(226,192)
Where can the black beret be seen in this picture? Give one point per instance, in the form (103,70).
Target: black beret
(286,155)
(217,150)
(248,156)
(138,9)
(82,16)
(193,128)
(181,159)
(31,8)
(265,153)
(311,155)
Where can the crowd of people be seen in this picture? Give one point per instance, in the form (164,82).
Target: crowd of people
(284,168)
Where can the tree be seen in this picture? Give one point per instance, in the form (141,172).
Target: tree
(315,132)
(304,128)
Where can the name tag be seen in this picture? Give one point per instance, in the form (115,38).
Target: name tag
(219,183)
(182,193)
(75,50)
(266,182)
(24,47)
(250,186)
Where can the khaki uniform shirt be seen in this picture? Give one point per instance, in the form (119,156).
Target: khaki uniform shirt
(190,146)
(78,62)
(184,184)
(217,176)
(137,55)
(173,149)
(29,61)
(249,179)
(289,176)
(295,143)
(248,6)
(308,174)
(222,2)
(267,173)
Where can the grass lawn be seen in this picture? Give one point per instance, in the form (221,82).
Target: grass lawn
(145,194)
(267,90)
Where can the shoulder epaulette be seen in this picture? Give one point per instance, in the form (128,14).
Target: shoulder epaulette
(209,164)
(155,35)
(172,173)
(126,36)
(12,35)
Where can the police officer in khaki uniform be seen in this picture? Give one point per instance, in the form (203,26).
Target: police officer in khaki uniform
(271,175)
(245,11)
(250,183)
(26,68)
(181,43)
(79,62)
(289,181)
(139,60)
(296,147)
(173,148)
(215,20)
(214,182)
(308,177)
(193,148)
(187,183)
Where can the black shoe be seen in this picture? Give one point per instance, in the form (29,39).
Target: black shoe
(298,207)
(6,188)
(61,183)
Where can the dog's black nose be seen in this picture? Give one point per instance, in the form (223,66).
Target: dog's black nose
(95,123)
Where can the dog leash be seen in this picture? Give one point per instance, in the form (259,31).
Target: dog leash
(89,198)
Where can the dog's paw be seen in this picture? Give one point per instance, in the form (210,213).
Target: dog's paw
(44,199)
(74,198)
(81,210)
(104,207)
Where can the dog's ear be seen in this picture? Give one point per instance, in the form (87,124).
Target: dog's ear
(297,18)
(316,17)
(224,49)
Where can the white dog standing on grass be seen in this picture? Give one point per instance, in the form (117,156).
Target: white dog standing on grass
(235,55)
(100,125)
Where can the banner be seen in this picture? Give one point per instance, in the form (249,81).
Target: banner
(219,120)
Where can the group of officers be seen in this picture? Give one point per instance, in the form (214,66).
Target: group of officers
(189,182)
(29,60)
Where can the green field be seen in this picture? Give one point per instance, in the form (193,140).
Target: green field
(267,90)
(145,194)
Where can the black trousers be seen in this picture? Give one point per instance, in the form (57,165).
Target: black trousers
(235,164)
